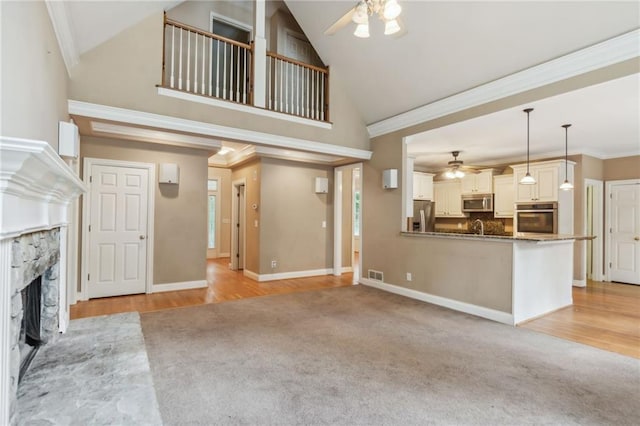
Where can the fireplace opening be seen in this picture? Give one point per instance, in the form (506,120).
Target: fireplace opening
(30,337)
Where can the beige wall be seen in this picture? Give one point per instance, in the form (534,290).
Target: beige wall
(198,13)
(34,78)
(124,71)
(251,173)
(622,168)
(292,213)
(180,216)
(224,189)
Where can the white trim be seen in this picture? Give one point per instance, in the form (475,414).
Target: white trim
(609,52)
(104,112)
(86,216)
(184,285)
(580,283)
(491,314)
(221,255)
(229,21)
(5,330)
(64,34)
(235,190)
(288,275)
(251,274)
(598,225)
(63,281)
(191,97)
(337,220)
(607,203)
(346,269)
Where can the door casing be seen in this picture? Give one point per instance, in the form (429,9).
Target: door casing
(609,185)
(86,215)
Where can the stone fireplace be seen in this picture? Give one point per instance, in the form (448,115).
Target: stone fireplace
(36,189)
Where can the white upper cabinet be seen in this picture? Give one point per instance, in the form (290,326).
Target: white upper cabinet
(478,183)
(547,179)
(503,199)
(447,196)
(422,186)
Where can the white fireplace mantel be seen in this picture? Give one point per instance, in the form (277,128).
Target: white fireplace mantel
(36,188)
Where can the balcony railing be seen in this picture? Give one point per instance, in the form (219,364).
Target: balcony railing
(207,64)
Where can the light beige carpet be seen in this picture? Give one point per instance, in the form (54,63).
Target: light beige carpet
(357,355)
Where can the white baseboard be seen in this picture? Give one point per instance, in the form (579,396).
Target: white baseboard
(346,269)
(288,275)
(224,254)
(580,283)
(251,274)
(456,305)
(184,285)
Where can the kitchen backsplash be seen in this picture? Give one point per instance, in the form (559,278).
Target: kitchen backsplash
(492,225)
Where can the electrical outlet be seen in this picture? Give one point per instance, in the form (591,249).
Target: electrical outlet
(459,225)
(274,264)
(409,277)
(324,223)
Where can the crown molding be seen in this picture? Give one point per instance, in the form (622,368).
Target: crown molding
(62,28)
(165,122)
(606,53)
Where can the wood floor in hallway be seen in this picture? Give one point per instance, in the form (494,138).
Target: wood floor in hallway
(604,315)
(223,285)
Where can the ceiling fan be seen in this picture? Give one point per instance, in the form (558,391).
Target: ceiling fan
(387,10)
(456,168)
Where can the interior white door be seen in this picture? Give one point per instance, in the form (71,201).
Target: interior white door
(118,231)
(624,258)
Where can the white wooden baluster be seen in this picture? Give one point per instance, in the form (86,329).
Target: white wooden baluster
(180,63)
(232,72)
(210,64)
(173,55)
(224,71)
(321,97)
(287,101)
(188,61)
(195,66)
(269,80)
(304,81)
(245,79)
(281,81)
(237,64)
(297,68)
(313,79)
(204,42)
(218,69)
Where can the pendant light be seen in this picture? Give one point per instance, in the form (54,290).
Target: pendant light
(566,185)
(527,179)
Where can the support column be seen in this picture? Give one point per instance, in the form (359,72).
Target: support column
(259,56)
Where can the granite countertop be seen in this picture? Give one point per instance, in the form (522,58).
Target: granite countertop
(508,237)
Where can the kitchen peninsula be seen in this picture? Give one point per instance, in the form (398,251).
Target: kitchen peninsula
(509,279)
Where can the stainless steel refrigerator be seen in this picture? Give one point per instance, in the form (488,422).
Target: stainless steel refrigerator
(424,216)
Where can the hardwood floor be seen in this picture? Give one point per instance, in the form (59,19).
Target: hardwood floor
(604,315)
(223,285)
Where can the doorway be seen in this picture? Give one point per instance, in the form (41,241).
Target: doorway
(623,238)
(117,237)
(238,241)
(347,220)
(213,218)
(593,225)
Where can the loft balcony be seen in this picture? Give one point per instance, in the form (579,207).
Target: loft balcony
(211,65)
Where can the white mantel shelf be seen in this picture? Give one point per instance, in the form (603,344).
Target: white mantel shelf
(36,186)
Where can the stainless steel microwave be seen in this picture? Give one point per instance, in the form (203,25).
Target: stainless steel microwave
(539,218)
(477,203)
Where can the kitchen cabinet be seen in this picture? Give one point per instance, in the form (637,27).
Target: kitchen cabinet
(478,183)
(422,186)
(503,198)
(547,176)
(447,197)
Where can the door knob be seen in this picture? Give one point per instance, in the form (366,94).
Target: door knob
(637,238)
(142,237)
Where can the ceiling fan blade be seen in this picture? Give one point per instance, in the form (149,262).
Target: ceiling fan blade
(340,23)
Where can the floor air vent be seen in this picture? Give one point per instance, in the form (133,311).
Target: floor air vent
(375,275)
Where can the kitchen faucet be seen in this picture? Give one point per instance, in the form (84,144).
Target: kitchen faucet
(481,225)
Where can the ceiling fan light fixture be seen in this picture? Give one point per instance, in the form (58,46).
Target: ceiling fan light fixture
(362,31)
(391,10)
(459,174)
(391,27)
(449,174)
(361,14)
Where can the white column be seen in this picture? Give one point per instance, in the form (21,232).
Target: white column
(5,330)
(63,281)
(259,56)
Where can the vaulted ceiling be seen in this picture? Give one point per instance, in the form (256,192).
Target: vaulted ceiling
(448,47)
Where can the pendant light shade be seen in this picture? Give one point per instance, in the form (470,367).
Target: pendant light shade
(566,185)
(527,179)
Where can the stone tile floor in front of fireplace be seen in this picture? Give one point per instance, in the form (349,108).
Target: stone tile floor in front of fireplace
(97,373)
